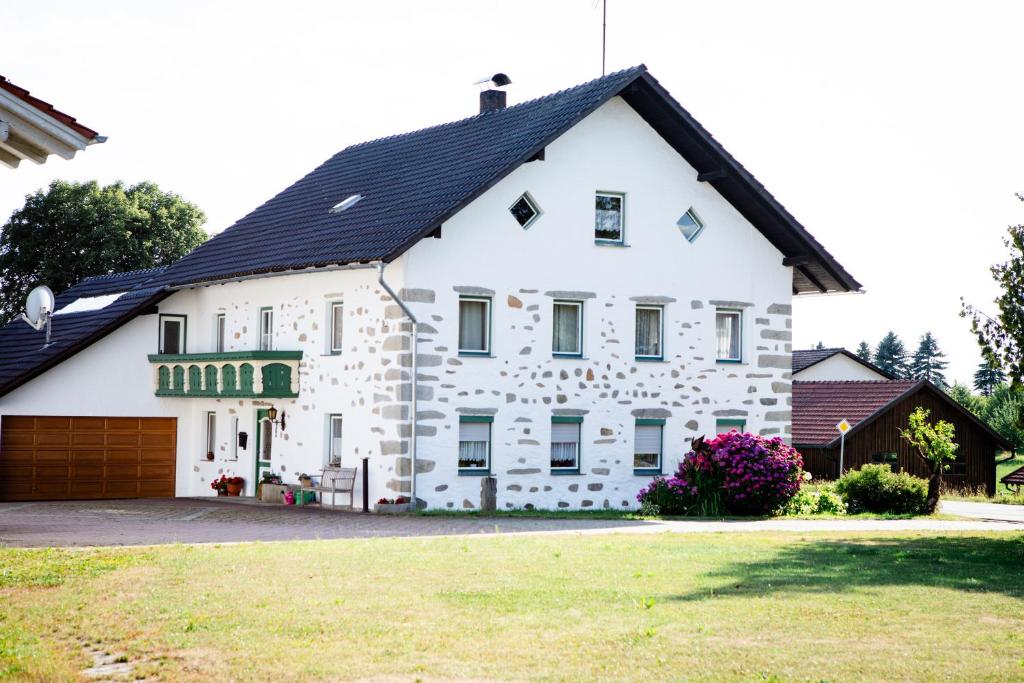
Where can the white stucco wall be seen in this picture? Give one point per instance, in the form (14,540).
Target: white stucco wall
(483,248)
(838,367)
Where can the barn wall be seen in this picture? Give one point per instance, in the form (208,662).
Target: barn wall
(882,435)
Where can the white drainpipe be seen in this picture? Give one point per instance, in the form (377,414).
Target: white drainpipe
(415,353)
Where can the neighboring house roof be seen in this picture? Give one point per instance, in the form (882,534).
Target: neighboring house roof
(33,129)
(805,358)
(22,354)
(413,183)
(819,406)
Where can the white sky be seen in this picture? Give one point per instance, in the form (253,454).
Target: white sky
(891,130)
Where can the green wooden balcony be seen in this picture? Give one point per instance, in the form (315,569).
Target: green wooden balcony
(233,374)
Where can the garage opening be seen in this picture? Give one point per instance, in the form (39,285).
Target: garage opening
(86,458)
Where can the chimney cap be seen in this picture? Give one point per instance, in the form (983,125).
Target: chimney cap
(498,80)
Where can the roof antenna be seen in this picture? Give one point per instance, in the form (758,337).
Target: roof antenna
(604,31)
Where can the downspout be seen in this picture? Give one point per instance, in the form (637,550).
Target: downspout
(415,352)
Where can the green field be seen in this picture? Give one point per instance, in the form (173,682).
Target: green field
(744,607)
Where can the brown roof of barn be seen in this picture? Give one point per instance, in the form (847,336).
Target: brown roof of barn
(805,358)
(819,406)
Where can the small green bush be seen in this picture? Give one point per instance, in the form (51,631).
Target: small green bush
(876,488)
(807,501)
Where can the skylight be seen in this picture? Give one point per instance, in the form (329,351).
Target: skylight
(690,225)
(346,204)
(525,210)
(89,303)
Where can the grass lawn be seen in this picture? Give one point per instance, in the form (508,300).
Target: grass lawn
(710,607)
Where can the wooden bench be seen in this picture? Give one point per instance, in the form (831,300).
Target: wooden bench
(334,480)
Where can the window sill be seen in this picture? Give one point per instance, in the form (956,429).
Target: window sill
(475,354)
(475,473)
(729,361)
(565,471)
(649,359)
(569,356)
(332,353)
(609,243)
(646,471)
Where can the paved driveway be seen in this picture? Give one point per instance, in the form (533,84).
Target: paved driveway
(989,511)
(212,520)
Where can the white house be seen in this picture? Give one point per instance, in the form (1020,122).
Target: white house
(836,364)
(590,280)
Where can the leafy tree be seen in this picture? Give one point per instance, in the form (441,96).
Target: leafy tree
(1003,411)
(891,355)
(927,362)
(934,444)
(74,230)
(1002,338)
(819,346)
(988,377)
(864,352)
(962,394)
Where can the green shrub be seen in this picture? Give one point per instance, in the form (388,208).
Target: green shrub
(876,488)
(830,502)
(823,501)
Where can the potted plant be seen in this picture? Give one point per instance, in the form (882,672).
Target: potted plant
(220,485)
(209,455)
(305,480)
(390,506)
(234,486)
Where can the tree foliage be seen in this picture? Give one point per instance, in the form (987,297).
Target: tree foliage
(1002,410)
(988,377)
(1002,337)
(935,446)
(891,355)
(74,230)
(962,394)
(927,362)
(864,352)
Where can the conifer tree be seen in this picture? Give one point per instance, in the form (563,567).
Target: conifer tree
(927,362)
(891,355)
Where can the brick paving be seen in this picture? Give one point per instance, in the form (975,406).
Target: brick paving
(212,520)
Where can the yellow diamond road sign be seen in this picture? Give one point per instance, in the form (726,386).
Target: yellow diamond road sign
(843,426)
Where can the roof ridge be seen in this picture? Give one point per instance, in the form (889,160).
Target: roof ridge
(123,273)
(857,381)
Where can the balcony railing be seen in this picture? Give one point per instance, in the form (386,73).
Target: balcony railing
(234,374)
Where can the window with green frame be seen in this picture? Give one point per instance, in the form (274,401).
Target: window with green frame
(726,426)
(566,441)
(475,444)
(647,446)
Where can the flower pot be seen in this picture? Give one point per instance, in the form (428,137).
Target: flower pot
(391,508)
(209,456)
(305,482)
(221,492)
(234,489)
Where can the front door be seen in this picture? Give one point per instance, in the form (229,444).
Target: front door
(264,440)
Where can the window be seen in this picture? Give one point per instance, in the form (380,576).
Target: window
(565,444)
(567,324)
(234,438)
(726,426)
(474,326)
(525,210)
(647,445)
(334,440)
(266,329)
(211,434)
(648,332)
(220,329)
(172,334)
(336,327)
(690,225)
(888,458)
(728,334)
(475,444)
(609,213)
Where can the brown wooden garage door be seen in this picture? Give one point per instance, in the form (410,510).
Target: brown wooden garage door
(76,458)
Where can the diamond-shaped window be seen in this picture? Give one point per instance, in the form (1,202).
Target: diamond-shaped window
(690,225)
(525,210)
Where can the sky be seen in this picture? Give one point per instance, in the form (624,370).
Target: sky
(890,130)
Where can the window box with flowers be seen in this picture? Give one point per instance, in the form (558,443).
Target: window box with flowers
(228,486)
(391,506)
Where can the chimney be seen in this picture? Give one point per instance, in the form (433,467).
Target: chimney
(492,100)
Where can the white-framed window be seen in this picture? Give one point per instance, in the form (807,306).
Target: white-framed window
(690,224)
(610,217)
(474,325)
(567,328)
(729,335)
(649,332)
(266,329)
(334,430)
(565,445)
(525,210)
(647,442)
(172,334)
(234,437)
(211,433)
(474,444)
(220,332)
(336,327)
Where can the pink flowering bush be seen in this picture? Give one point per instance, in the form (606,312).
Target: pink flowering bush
(736,474)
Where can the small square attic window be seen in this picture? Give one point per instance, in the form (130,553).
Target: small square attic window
(525,210)
(690,224)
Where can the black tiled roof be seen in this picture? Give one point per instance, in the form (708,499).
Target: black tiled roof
(22,353)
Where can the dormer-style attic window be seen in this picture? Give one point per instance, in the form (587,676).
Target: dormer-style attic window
(525,210)
(690,225)
(609,221)
(346,204)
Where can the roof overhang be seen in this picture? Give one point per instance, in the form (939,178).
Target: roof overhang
(32,130)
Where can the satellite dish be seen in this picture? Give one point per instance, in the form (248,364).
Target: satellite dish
(39,308)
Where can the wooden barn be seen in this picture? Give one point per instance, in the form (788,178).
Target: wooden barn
(878,410)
